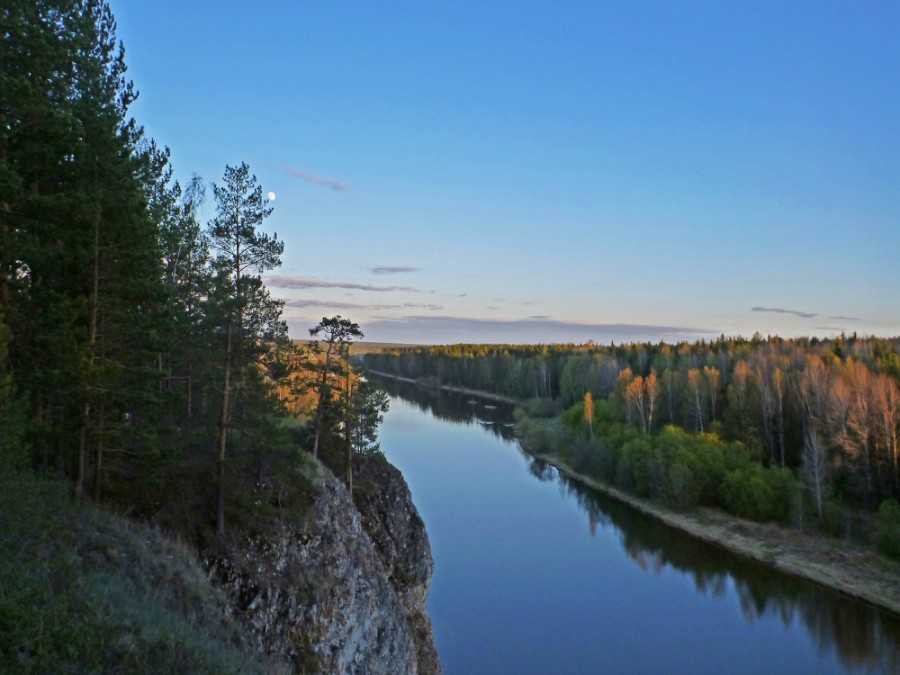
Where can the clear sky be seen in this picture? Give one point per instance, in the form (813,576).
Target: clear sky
(514,168)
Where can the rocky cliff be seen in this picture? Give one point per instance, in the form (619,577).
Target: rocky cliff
(395,527)
(341,589)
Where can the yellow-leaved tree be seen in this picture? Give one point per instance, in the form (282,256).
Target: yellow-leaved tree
(589,411)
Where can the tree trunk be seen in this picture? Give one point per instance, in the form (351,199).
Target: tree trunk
(349,395)
(780,422)
(320,407)
(98,457)
(699,411)
(92,349)
(223,437)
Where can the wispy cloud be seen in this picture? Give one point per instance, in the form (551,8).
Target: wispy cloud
(439,329)
(781,310)
(393,269)
(290,281)
(802,315)
(322,181)
(336,304)
(539,317)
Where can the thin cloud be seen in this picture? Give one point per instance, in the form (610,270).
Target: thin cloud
(833,329)
(289,281)
(322,181)
(336,304)
(803,315)
(439,329)
(413,305)
(393,269)
(538,317)
(781,310)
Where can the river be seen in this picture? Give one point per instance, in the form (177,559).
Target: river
(535,574)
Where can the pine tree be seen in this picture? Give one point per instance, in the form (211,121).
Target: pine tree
(337,333)
(249,314)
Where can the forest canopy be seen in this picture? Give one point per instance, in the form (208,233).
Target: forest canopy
(828,410)
(142,357)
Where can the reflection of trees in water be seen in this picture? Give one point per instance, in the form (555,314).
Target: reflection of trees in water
(453,407)
(863,637)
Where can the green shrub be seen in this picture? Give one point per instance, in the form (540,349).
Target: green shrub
(542,407)
(638,457)
(746,493)
(682,489)
(833,521)
(755,492)
(887,528)
(573,417)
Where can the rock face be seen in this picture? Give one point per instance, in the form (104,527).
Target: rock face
(319,594)
(395,527)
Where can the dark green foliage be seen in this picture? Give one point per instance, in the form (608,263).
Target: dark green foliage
(888,528)
(757,493)
(834,518)
(13,423)
(366,411)
(679,468)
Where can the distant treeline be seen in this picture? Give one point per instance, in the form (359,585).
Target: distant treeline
(828,407)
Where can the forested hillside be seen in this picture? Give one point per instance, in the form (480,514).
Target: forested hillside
(143,358)
(145,370)
(827,409)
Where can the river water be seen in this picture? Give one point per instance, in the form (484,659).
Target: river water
(535,574)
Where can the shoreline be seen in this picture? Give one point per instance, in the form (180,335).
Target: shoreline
(499,398)
(853,571)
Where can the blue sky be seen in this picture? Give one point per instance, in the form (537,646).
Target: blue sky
(635,169)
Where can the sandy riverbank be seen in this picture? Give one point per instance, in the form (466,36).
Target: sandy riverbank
(855,571)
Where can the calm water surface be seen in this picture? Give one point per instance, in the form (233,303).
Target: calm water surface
(534,574)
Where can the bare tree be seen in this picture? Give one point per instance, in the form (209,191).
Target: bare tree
(887,405)
(651,387)
(713,377)
(695,384)
(852,394)
(814,396)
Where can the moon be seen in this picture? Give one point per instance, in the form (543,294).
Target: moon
(271,196)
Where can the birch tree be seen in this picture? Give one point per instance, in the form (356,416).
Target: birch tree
(588,411)
(813,394)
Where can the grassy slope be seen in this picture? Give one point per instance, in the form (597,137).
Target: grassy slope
(85,591)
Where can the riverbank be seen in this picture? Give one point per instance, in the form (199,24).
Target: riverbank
(857,572)
(447,387)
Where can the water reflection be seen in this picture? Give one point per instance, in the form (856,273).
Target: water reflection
(863,637)
(448,406)
(856,637)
